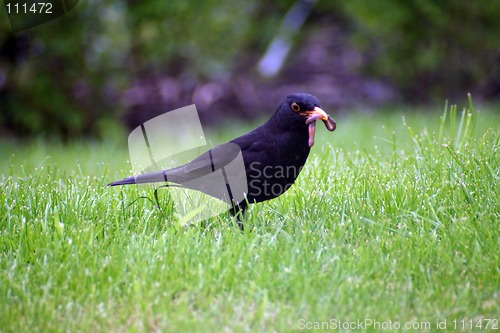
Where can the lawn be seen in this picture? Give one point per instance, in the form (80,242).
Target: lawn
(392,224)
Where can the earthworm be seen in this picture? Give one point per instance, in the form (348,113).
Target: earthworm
(330,124)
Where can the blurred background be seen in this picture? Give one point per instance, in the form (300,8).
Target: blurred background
(123,62)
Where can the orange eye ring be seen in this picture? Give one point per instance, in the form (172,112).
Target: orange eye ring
(295,107)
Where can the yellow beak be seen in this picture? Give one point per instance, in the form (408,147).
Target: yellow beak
(319,111)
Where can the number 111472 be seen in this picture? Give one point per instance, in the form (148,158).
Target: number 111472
(24,8)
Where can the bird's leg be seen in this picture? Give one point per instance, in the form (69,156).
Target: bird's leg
(238,210)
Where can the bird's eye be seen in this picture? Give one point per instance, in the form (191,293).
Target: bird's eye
(295,107)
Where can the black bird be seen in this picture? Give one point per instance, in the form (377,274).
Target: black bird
(272,158)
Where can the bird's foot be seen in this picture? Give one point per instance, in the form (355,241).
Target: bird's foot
(241,225)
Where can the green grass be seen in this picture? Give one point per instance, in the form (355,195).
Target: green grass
(391,220)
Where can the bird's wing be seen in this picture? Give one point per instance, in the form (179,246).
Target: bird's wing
(220,172)
(205,164)
(250,147)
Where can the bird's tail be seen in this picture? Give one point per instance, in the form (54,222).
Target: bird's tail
(151,177)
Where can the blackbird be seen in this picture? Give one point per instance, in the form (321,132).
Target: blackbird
(272,155)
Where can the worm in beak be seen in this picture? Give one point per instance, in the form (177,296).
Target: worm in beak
(313,116)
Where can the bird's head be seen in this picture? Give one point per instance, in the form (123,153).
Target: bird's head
(301,109)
